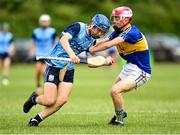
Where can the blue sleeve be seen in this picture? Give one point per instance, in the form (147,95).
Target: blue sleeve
(132,37)
(113,35)
(54,36)
(73,29)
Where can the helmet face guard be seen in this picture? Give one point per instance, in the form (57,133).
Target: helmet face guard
(99,26)
(119,15)
(95,31)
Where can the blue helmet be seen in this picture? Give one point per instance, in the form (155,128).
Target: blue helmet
(101,21)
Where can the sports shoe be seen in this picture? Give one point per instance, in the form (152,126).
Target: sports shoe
(5,81)
(29,103)
(33,123)
(118,121)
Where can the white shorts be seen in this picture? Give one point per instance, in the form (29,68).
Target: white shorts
(133,71)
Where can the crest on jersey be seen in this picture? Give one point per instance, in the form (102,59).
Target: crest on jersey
(51,78)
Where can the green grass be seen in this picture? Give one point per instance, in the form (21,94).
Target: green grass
(154,108)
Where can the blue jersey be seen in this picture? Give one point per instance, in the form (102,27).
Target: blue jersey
(80,41)
(5,41)
(134,49)
(43,40)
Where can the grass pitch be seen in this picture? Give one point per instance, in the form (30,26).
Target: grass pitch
(154,108)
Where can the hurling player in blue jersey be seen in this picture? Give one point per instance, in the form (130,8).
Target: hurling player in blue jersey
(75,39)
(132,46)
(43,40)
(6,50)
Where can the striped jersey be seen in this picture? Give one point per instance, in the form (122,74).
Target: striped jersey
(134,49)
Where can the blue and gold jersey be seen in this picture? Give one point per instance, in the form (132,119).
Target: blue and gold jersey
(134,49)
(5,41)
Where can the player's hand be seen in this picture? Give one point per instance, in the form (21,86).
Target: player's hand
(31,56)
(75,59)
(109,61)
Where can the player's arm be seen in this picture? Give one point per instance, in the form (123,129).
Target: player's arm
(32,50)
(108,60)
(105,45)
(99,41)
(11,49)
(66,46)
(67,34)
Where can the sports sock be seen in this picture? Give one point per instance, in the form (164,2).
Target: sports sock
(119,113)
(39,118)
(5,77)
(34,98)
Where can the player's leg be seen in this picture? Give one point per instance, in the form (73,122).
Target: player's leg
(117,91)
(64,91)
(47,99)
(39,90)
(43,68)
(130,77)
(6,66)
(119,88)
(49,96)
(50,91)
(38,73)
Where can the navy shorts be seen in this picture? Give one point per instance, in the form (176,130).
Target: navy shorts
(3,56)
(52,75)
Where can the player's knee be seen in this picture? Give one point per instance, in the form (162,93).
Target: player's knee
(7,62)
(116,91)
(50,101)
(62,101)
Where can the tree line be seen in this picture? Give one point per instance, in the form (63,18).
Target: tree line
(151,16)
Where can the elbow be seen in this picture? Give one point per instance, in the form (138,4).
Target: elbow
(61,40)
(64,39)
